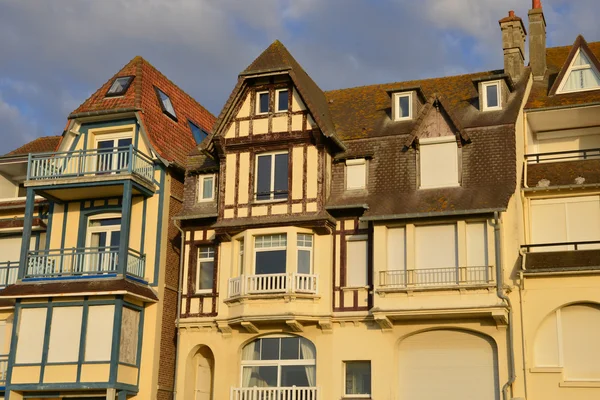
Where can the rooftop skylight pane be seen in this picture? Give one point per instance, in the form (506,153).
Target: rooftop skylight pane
(119,86)
(199,134)
(165,103)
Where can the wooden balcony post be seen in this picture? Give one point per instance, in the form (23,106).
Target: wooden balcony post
(27,226)
(125,227)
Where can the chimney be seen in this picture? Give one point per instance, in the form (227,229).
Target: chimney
(513,44)
(537,40)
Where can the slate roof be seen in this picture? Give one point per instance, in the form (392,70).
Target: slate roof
(39,145)
(558,61)
(173,140)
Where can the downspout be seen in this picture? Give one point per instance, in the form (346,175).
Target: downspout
(500,292)
(179,292)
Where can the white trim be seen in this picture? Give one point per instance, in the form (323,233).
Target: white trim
(201,179)
(257,111)
(305,248)
(277,110)
(345,388)
(572,68)
(396,106)
(99,229)
(272,186)
(266,249)
(484,86)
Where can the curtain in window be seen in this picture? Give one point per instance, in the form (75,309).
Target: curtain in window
(307,352)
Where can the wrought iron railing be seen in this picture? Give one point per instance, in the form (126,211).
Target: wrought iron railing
(436,277)
(571,155)
(9,270)
(562,246)
(81,262)
(275,393)
(94,162)
(273,283)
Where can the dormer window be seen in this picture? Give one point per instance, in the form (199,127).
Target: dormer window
(581,75)
(402,106)
(356,174)
(165,103)
(492,97)
(262,102)
(439,164)
(206,188)
(119,86)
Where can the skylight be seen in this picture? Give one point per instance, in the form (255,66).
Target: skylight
(165,103)
(581,75)
(119,86)
(199,134)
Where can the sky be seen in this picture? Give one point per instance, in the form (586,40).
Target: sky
(56,53)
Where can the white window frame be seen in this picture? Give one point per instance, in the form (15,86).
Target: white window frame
(277,92)
(272,248)
(357,396)
(396,106)
(572,68)
(198,269)
(484,87)
(258,112)
(201,179)
(353,163)
(434,141)
(305,248)
(107,229)
(105,137)
(271,198)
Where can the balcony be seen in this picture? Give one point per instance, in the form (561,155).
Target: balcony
(9,271)
(93,261)
(273,284)
(563,168)
(275,393)
(561,257)
(436,278)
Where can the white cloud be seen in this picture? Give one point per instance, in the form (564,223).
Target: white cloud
(15,129)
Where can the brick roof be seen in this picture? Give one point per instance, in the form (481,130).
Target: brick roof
(171,139)
(558,61)
(39,145)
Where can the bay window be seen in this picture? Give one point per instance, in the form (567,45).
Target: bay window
(270,254)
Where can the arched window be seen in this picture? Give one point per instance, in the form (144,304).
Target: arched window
(279,361)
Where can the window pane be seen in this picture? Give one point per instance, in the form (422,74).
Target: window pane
(492,95)
(296,375)
(269,349)
(263,182)
(358,377)
(251,351)
(264,102)
(283,101)
(356,263)
(119,85)
(404,106)
(440,237)
(270,262)
(207,188)
(290,348)
(304,240)
(303,261)
(259,376)
(206,274)
(199,134)
(166,102)
(281,176)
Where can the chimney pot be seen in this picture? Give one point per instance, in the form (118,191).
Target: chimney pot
(536,4)
(511,13)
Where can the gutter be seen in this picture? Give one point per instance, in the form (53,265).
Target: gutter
(197,216)
(500,292)
(433,214)
(178,318)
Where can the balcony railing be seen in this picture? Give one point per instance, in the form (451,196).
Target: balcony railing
(3,369)
(571,155)
(275,393)
(273,283)
(562,246)
(436,277)
(9,270)
(81,262)
(94,162)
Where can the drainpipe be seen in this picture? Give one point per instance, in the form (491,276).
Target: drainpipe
(500,292)
(179,291)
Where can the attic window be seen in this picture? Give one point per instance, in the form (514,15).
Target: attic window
(199,134)
(119,86)
(492,97)
(581,75)
(438,162)
(281,100)
(402,106)
(262,102)
(165,103)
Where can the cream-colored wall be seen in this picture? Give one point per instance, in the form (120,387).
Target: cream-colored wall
(8,189)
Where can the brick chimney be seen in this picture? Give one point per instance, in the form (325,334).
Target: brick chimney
(537,40)
(513,44)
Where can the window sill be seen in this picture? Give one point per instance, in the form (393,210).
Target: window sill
(546,370)
(206,200)
(485,109)
(270,201)
(440,187)
(204,292)
(580,384)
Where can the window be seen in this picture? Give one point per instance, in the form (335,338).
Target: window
(206,267)
(358,378)
(438,162)
(165,103)
(103,240)
(356,261)
(356,174)
(272,176)
(270,254)
(241,256)
(279,362)
(206,188)
(304,244)
(198,133)
(435,251)
(492,98)
(262,102)
(581,75)
(402,106)
(281,99)
(112,154)
(119,86)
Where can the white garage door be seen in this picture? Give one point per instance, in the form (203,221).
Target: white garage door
(448,365)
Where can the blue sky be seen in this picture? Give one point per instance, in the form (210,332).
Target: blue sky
(56,53)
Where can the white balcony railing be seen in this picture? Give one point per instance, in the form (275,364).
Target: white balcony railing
(275,393)
(273,283)
(436,277)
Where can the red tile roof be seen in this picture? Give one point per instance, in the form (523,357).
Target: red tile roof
(171,139)
(39,145)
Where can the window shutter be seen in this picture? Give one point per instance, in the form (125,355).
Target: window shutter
(439,164)
(356,263)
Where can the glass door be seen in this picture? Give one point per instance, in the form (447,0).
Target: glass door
(113,155)
(102,247)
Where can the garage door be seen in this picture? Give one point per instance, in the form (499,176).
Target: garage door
(448,365)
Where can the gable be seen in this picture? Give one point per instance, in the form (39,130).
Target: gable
(435,124)
(581,75)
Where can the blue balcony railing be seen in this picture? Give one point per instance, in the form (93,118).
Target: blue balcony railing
(82,262)
(94,162)
(9,271)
